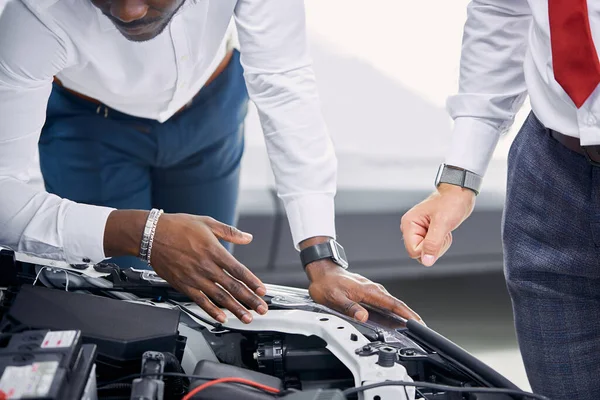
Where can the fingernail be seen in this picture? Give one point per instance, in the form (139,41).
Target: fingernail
(248,235)
(246,318)
(360,315)
(261,291)
(262,310)
(222,319)
(428,260)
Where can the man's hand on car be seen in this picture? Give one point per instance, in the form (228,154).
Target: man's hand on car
(186,252)
(344,291)
(427,227)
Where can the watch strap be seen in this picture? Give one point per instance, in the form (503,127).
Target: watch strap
(460,177)
(329,250)
(316,252)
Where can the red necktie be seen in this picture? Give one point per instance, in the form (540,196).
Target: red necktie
(574,58)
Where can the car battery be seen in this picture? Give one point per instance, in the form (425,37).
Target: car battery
(121,330)
(47,365)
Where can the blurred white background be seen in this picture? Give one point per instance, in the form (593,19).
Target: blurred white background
(384,72)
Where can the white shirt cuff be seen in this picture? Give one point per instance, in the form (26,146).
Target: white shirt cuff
(472,145)
(84,233)
(310,216)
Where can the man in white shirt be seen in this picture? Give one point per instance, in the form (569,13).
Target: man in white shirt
(551,227)
(140,104)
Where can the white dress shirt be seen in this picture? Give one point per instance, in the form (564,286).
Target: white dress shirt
(506,54)
(71,39)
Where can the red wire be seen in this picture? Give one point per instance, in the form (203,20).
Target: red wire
(231,380)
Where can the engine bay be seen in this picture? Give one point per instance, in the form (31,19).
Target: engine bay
(125,334)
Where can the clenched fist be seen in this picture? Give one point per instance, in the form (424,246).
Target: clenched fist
(427,227)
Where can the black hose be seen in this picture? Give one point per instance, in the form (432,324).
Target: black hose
(115,391)
(116,386)
(175,386)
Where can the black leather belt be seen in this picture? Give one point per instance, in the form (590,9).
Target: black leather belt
(592,153)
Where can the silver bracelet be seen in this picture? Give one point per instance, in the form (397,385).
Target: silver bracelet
(152,236)
(149,232)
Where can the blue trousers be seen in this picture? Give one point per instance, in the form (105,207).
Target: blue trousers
(551,235)
(188,164)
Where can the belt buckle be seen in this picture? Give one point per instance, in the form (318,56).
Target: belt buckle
(586,150)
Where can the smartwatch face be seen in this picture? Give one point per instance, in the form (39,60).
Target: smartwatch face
(339,254)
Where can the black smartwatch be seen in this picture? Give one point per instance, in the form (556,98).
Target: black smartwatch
(331,249)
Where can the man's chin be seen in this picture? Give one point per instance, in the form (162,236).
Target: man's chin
(142,36)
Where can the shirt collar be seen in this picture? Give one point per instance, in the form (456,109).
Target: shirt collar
(107,25)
